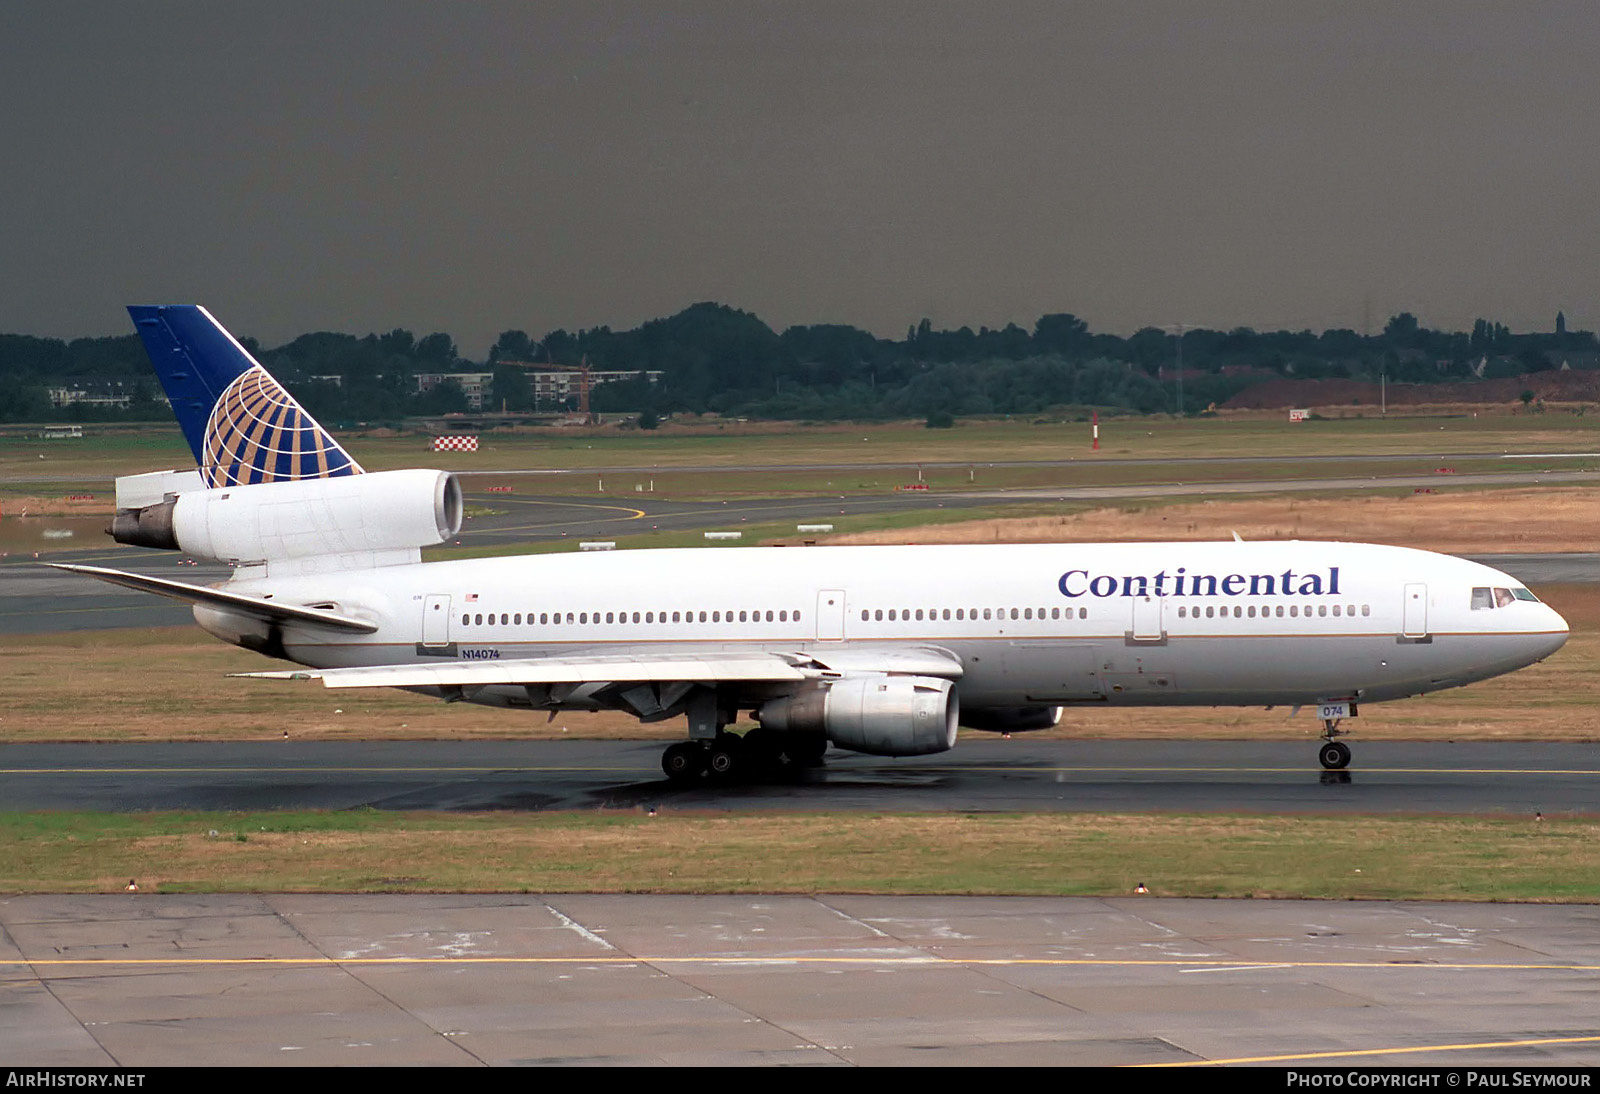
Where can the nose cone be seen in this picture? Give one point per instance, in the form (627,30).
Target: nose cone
(1557,636)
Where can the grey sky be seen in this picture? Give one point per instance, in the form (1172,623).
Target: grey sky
(476,167)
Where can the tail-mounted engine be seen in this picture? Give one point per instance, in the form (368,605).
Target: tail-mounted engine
(382,511)
(879,715)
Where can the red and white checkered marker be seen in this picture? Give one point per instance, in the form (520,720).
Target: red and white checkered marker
(455,444)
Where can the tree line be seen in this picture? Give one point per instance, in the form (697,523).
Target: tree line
(714,358)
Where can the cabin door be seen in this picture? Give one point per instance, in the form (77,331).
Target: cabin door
(830,615)
(1147,622)
(1416,611)
(436,621)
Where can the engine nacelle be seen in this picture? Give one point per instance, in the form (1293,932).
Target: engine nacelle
(879,715)
(382,511)
(1010,719)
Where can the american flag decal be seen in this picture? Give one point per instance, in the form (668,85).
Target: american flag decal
(258,433)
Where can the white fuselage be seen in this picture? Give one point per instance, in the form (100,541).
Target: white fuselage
(1118,623)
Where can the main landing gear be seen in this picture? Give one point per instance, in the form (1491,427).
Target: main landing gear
(1334,754)
(728,757)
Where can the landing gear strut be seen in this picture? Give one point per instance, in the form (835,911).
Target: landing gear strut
(1334,754)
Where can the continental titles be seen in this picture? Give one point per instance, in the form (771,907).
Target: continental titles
(1076,583)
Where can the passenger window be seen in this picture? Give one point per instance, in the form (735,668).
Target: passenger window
(466,620)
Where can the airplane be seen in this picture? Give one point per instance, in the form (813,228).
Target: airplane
(881,650)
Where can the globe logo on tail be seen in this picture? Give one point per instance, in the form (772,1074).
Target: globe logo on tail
(258,433)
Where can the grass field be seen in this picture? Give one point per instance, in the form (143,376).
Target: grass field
(1392,858)
(24,458)
(1538,520)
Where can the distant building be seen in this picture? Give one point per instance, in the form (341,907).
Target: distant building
(75,396)
(473,384)
(557,383)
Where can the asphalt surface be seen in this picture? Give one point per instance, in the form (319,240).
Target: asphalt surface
(981,774)
(141,981)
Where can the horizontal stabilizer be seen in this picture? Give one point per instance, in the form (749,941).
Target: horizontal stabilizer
(254,606)
(609,669)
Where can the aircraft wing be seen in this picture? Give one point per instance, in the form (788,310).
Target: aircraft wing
(641,666)
(270,610)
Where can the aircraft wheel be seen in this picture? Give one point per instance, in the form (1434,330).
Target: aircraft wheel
(726,760)
(1335,755)
(807,748)
(763,750)
(683,762)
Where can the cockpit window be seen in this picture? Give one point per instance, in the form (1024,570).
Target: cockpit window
(1484,599)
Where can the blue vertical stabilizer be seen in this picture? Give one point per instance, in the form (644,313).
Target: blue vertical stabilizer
(241,424)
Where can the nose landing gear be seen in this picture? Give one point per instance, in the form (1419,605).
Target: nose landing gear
(1334,754)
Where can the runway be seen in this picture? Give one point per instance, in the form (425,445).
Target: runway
(139,981)
(981,774)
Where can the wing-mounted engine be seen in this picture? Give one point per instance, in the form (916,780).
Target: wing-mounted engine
(362,515)
(877,714)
